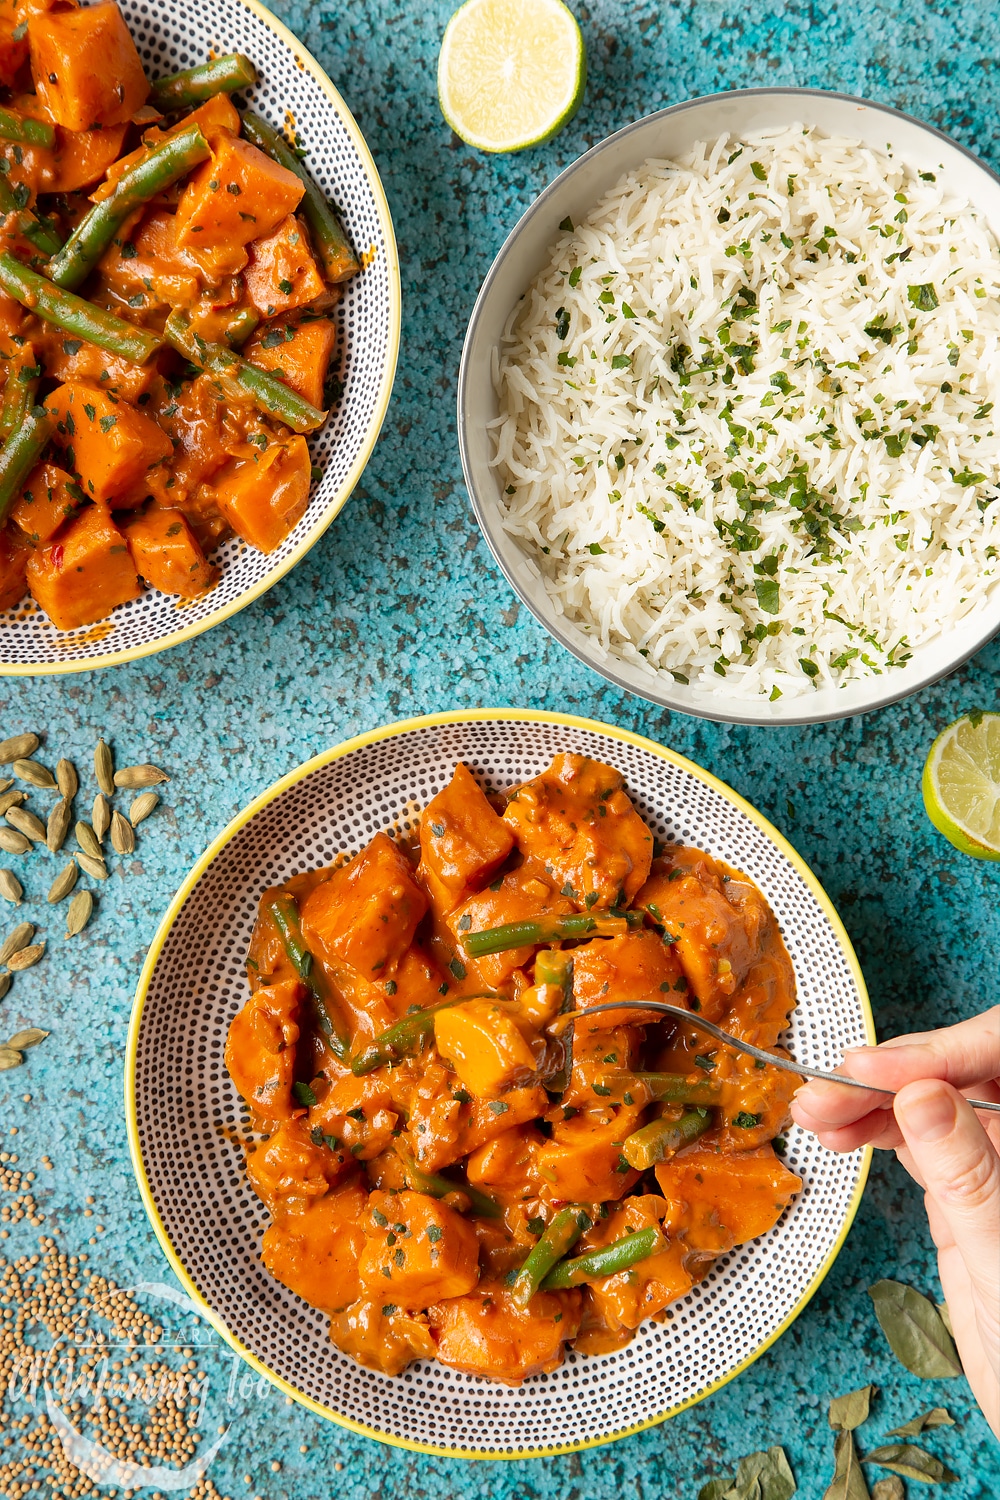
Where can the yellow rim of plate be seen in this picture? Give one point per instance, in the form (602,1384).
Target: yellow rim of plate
(309,64)
(358,742)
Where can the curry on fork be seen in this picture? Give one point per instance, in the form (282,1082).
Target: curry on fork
(445,1179)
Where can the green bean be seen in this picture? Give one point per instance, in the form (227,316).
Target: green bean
(560,1236)
(41,232)
(436,1185)
(332,244)
(268,394)
(20,453)
(284,911)
(548,929)
(55,305)
(222,75)
(26,130)
(19,392)
(555,966)
(242,325)
(607,1262)
(645,1088)
(662,1138)
(162,167)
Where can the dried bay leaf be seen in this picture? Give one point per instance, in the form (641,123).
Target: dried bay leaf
(888,1489)
(713,1489)
(915,1330)
(938,1416)
(849,1411)
(760,1476)
(848,1481)
(912,1462)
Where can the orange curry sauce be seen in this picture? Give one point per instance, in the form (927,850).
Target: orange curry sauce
(374,1188)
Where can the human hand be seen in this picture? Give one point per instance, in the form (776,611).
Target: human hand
(953,1153)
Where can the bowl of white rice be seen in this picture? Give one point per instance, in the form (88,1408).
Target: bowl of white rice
(726,406)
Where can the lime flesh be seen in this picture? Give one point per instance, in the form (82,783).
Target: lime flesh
(511,72)
(961,785)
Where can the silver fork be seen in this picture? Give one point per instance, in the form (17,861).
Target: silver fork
(691,1018)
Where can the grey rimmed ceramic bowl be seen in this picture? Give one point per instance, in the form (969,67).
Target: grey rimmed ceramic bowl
(526,251)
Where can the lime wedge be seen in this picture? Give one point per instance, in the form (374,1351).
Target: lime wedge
(961,784)
(511,72)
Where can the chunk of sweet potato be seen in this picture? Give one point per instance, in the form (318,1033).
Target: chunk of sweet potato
(13,562)
(486,1333)
(583,1161)
(106,441)
(366,914)
(237,196)
(417,1251)
(299,353)
(264,494)
(523,894)
(71,360)
(315,1253)
(635,966)
(282,273)
(150,262)
(380,1335)
(13,51)
(86,67)
(167,555)
(291,1169)
(577,820)
(50,498)
(80,158)
(723,1200)
(462,840)
(484,1045)
(260,1048)
(85,574)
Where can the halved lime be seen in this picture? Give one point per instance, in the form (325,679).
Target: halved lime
(511,72)
(961,784)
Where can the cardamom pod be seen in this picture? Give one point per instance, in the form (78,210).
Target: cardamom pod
(4,984)
(122,836)
(63,883)
(18,747)
(11,888)
(30,1037)
(144,804)
(13,842)
(12,799)
(35,772)
(67,779)
(79,912)
(15,941)
(100,818)
(26,958)
(5,782)
(95,867)
(87,839)
(57,826)
(104,768)
(9,1059)
(134,777)
(27,823)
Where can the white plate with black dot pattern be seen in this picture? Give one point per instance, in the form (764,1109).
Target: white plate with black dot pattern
(185,1119)
(292,91)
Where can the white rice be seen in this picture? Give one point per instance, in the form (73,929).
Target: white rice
(641,481)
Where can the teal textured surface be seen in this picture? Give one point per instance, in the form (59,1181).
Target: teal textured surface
(399,610)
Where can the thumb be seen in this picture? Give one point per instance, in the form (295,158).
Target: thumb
(959,1166)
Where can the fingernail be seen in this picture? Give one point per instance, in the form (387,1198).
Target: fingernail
(929,1116)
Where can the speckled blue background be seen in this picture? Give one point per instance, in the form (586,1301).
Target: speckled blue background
(399,610)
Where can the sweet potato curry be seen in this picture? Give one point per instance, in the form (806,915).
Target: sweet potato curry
(445,1179)
(167,273)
